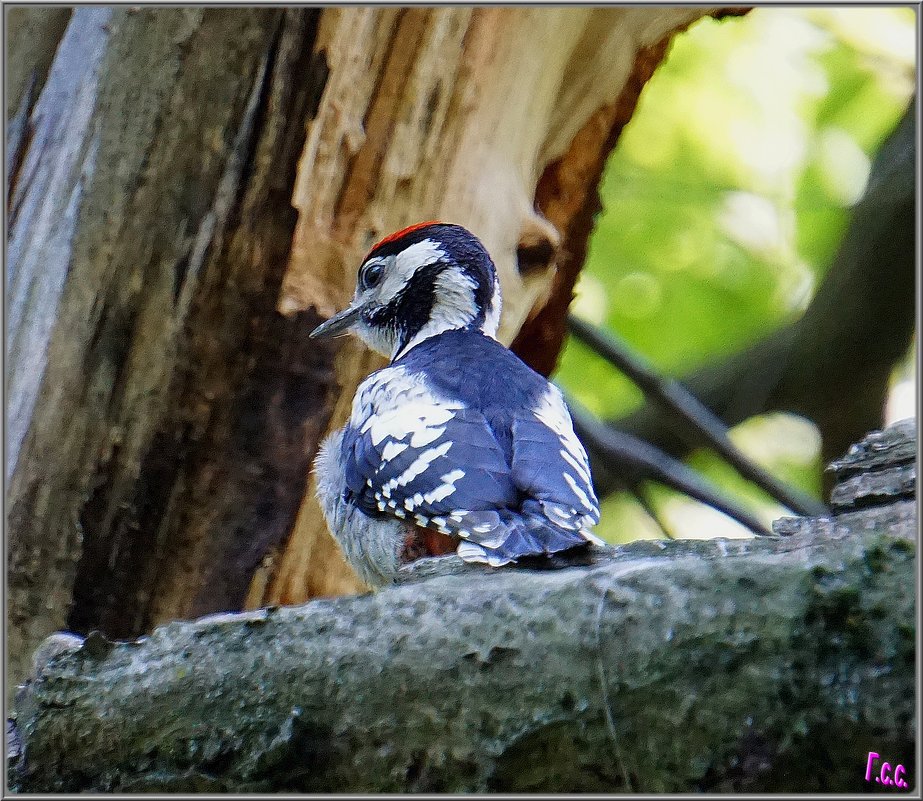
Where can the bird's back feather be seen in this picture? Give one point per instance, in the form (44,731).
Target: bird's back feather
(461,436)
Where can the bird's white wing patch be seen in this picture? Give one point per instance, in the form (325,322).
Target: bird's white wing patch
(415,453)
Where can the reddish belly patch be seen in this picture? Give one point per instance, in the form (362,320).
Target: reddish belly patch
(422,542)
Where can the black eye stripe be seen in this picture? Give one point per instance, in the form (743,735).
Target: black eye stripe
(410,308)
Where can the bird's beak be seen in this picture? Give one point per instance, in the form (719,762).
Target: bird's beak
(339,323)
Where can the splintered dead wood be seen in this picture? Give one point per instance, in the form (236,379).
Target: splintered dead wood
(567,195)
(496,119)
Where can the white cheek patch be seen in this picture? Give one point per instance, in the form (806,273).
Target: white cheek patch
(406,263)
(455,300)
(454,308)
(378,339)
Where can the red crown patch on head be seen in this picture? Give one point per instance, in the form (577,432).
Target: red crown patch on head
(403,232)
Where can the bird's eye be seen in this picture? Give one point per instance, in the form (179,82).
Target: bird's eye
(371,275)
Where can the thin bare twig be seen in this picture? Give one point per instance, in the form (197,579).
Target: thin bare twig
(636,461)
(694,421)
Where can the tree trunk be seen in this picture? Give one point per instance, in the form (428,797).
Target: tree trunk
(461,118)
(763,665)
(164,401)
(160,408)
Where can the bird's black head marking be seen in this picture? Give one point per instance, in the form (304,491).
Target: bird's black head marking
(421,281)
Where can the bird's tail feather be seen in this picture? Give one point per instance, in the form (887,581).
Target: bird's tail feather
(526,536)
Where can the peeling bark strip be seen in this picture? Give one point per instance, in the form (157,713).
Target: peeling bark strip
(743,665)
(179,411)
(363,174)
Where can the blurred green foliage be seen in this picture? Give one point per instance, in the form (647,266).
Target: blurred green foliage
(724,203)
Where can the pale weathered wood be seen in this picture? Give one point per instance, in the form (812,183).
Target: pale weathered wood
(453,114)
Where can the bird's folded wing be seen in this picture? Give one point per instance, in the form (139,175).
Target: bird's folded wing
(440,470)
(551,466)
(442,467)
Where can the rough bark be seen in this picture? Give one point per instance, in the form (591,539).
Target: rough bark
(758,665)
(164,407)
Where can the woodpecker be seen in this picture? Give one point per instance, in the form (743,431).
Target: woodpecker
(456,445)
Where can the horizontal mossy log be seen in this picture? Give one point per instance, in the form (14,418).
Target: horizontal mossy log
(747,665)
